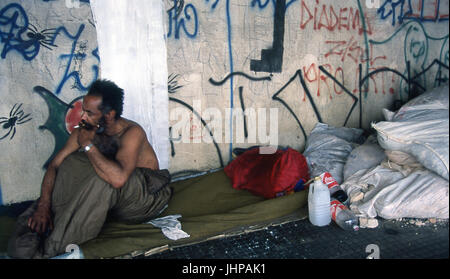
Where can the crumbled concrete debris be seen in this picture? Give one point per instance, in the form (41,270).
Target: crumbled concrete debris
(369,223)
(420,223)
(373,223)
(356,196)
(362,222)
(354,208)
(434,223)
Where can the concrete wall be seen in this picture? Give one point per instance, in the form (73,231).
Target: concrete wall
(303,59)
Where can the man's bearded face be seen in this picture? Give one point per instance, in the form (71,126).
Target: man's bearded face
(91,116)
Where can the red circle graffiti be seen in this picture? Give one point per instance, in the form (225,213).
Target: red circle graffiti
(73,115)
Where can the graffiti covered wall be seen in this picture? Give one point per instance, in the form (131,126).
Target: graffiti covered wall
(337,62)
(269,69)
(48,58)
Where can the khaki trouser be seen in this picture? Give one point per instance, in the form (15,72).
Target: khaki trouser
(81,202)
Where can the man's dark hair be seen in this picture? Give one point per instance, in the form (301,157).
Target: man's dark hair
(112,96)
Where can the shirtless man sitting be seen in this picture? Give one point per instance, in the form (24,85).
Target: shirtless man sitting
(115,147)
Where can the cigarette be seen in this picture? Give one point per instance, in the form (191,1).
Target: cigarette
(77,126)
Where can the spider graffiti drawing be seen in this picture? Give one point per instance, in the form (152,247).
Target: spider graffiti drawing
(16,117)
(43,37)
(172,84)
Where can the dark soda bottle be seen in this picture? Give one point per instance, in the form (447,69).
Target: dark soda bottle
(336,191)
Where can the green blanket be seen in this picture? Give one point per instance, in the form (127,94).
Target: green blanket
(209,207)
(6,229)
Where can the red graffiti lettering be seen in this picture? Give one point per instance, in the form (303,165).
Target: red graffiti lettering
(340,70)
(352,50)
(378,81)
(311,69)
(326,17)
(382,82)
(317,77)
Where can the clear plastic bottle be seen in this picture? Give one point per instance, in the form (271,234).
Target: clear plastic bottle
(319,203)
(343,216)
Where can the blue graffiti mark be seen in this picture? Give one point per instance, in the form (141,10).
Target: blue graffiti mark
(213,6)
(95,53)
(83,1)
(180,22)
(260,5)
(230,53)
(403,9)
(14,17)
(367,52)
(1,198)
(71,56)
(80,55)
(385,11)
(264,5)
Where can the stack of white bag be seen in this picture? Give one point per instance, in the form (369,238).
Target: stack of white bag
(413,181)
(328,147)
(365,156)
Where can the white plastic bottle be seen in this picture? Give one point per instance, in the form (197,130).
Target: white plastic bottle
(343,216)
(319,203)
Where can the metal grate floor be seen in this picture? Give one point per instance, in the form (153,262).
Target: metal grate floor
(394,239)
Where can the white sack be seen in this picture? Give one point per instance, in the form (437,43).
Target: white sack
(390,194)
(421,128)
(327,149)
(365,156)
